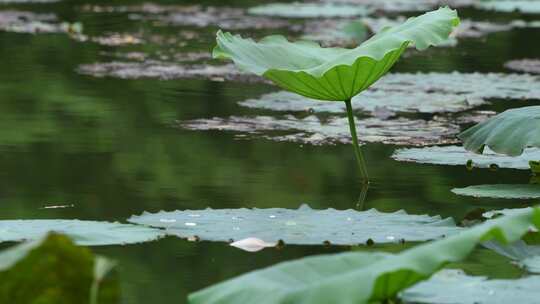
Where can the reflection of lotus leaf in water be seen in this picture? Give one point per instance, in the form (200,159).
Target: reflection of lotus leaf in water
(332,130)
(458,156)
(302,226)
(508,191)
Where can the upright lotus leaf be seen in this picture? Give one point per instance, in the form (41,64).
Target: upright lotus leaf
(52,270)
(507,133)
(360,277)
(335,74)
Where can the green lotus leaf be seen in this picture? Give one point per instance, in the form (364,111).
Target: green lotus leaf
(52,270)
(309,10)
(334,74)
(361,277)
(452,286)
(458,156)
(86,233)
(303,226)
(507,191)
(509,132)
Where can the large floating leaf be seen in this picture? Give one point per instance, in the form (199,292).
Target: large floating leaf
(301,226)
(509,191)
(455,287)
(508,6)
(524,65)
(87,233)
(507,133)
(361,277)
(371,101)
(334,73)
(52,270)
(309,10)
(333,130)
(458,156)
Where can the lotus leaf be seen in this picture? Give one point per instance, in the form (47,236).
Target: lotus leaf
(361,277)
(508,191)
(309,10)
(334,74)
(507,133)
(455,287)
(458,156)
(87,233)
(52,270)
(301,226)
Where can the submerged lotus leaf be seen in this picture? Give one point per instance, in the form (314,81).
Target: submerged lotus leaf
(361,277)
(524,65)
(458,156)
(507,133)
(333,130)
(335,74)
(301,226)
(508,6)
(309,10)
(508,191)
(455,287)
(371,101)
(86,233)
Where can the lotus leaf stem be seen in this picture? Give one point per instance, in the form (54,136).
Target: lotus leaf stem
(357,151)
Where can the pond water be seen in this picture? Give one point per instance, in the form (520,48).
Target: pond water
(106,148)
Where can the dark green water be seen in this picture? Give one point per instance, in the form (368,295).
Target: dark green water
(109,147)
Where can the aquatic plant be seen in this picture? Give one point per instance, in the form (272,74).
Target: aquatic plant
(362,277)
(52,269)
(335,74)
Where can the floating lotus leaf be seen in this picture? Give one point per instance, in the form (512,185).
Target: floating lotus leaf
(455,287)
(507,133)
(301,226)
(508,191)
(371,101)
(87,233)
(309,10)
(524,65)
(458,156)
(333,130)
(508,6)
(51,270)
(360,277)
(334,73)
